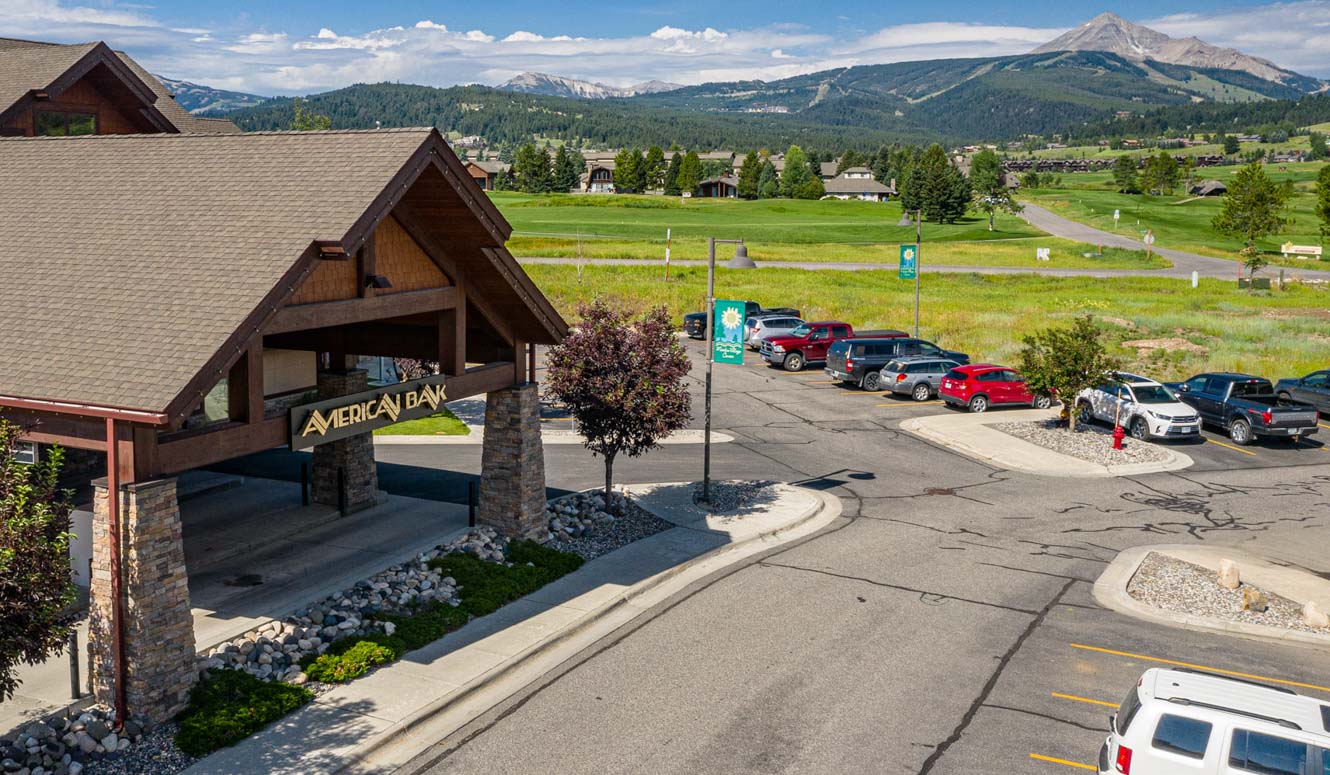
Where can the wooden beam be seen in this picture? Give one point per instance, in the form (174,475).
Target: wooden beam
(244,385)
(368,266)
(393,340)
(452,336)
(182,451)
(519,362)
(65,430)
(301,317)
(478,380)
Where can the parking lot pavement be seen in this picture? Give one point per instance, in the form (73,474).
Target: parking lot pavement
(1048,712)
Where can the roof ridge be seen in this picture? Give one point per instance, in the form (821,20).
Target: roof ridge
(5,38)
(265,133)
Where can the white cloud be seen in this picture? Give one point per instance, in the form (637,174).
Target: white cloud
(1294,34)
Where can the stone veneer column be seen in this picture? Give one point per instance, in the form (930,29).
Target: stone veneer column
(512,464)
(353,455)
(158,628)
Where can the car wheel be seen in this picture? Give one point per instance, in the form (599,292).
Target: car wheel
(1140,429)
(872,381)
(922,392)
(1084,413)
(793,362)
(1285,396)
(978,404)
(1240,432)
(1042,402)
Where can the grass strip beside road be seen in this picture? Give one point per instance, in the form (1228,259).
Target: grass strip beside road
(1180,331)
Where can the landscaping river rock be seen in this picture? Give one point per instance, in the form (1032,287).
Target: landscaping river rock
(1176,585)
(1090,444)
(582,523)
(69,744)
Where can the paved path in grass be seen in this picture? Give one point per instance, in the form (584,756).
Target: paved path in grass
(1183,263)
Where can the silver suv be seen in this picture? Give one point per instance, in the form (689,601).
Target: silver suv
(915,377)
(760,328)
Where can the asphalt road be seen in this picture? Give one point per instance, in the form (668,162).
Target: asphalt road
(944,624)
(1183,263)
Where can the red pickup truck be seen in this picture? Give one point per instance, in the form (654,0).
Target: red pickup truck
(809,343)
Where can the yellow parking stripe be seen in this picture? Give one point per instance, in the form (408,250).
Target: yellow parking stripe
(824,382)
(1219,670)
(1323,425)
(1085,700)
(912,403)
(1230,446)
(1077,765)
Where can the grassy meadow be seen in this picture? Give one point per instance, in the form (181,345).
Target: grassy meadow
(1182,221)
(1174,330)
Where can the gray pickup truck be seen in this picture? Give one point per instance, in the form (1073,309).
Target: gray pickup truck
(1246,407)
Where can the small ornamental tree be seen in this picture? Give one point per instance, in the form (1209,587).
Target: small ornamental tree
(989,185)
(622,380)
(36,583)
(1061,362)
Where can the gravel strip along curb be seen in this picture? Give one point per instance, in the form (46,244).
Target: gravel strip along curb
(1110,590)
(1087,444)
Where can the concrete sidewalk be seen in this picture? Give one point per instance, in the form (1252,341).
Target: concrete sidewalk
(380,721)
(1283,579)
(254,554)
(970,435)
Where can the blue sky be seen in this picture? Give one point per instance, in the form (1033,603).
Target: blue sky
(302,46)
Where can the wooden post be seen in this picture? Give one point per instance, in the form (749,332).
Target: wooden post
(452,336)
(244,385)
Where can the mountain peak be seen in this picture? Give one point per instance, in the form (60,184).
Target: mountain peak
(559,86)
(1114,34)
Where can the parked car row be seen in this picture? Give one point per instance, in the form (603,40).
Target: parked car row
(1245,407)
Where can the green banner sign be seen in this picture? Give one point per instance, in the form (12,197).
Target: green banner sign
(909,261)
(727,336)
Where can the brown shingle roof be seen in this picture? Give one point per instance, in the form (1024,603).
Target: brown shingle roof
(843,185)
(26,65)
(130,259)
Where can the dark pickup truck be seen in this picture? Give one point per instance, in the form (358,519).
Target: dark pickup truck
(860,360)
(1313,388)
(695,323)
(1246,407)
(810,342)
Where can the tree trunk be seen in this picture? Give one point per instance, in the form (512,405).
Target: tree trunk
(990,220)
(1071,416)
(609,482)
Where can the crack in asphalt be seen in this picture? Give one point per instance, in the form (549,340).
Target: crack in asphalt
(923,593)
(1034,624)
(1047,716)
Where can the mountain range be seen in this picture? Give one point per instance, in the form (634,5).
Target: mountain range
(558,86)
(1102,71)
(197,98)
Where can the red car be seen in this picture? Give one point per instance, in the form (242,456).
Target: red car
(979,386)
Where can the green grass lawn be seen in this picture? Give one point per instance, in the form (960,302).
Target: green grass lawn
(1183,222)
(618,226)
(1216,326)
(441,423)
(1104,152)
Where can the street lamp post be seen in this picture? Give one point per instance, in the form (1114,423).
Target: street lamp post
(740,261)
(918,249)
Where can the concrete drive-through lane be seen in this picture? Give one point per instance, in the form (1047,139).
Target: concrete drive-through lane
(937,627)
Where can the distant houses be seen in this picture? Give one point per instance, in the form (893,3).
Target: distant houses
(857,183)
(486,173)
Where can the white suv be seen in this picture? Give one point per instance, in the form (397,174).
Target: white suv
(1187,721)
(1144,407)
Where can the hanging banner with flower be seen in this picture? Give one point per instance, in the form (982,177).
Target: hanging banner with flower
(728,337)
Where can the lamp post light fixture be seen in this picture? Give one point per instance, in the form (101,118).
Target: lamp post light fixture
(740,261)
(918,245)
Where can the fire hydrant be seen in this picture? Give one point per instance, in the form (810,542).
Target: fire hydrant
(1118,435)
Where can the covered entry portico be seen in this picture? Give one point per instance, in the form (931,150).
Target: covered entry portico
(185,300)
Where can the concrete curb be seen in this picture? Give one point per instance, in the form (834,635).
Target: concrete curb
(970,436)
(397,745)
(1110,590)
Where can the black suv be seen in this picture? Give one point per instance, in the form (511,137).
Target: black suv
(854,359)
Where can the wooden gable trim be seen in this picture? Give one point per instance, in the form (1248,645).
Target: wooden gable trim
(101,54)
(325,314)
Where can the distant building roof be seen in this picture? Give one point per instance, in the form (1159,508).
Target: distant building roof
(828,169)
(492,167)
(1209,188)
(843,185)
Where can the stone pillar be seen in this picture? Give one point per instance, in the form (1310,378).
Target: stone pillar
(158,627)
(354,455)
(512,464)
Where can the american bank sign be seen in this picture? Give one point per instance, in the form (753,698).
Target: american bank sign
(340,418)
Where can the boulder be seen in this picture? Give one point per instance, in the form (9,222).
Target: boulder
(1313,616)
(1229,576)
(1254,600)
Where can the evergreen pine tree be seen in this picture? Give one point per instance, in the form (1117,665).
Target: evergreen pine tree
(750,177)
(690,173)
(797,172)
(672,173)
(768,182)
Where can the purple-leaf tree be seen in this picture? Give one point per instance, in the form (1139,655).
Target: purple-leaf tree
(622,380)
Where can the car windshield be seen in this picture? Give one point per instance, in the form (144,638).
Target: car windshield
(1153,394)
(801,330)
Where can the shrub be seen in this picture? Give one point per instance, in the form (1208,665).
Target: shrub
(351,658)
(230,705)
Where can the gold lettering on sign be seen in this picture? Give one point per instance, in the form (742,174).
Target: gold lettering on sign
(390,406)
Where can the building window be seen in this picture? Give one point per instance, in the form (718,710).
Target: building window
(25,452)
(50,123)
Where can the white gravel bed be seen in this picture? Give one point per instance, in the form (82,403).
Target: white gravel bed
(1176,585)
(581,524)
(1087,444)
(728,497)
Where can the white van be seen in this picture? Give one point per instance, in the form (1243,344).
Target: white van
(1186,721)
